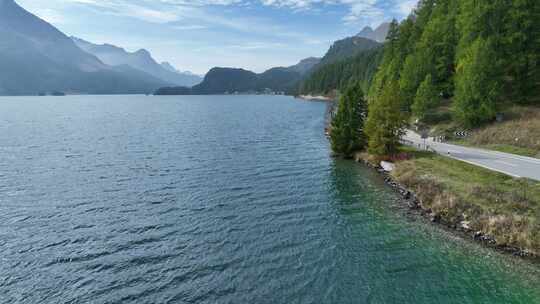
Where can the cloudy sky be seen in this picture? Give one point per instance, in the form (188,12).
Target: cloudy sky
(196,35)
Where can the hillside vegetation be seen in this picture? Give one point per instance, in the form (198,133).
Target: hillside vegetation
(453,62)
(483,55)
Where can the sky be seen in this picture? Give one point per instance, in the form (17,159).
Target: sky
(196,35)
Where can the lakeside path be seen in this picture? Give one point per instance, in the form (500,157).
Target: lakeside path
(510,164)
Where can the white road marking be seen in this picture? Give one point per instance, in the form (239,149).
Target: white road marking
(505,163)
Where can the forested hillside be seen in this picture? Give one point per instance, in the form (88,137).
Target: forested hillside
(337,76)
(482,55)
(466,61)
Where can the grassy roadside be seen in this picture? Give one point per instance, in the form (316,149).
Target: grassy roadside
(499,147)
(460,194)
(519,133)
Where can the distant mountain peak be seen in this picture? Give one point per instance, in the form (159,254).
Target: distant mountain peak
(379,34)
(141,60)
(84,44)
(365,32)
(348,47)
(143,52)
(166,65)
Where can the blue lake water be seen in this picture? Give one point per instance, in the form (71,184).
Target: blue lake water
(215,199)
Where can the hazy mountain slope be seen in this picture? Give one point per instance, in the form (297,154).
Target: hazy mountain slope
(346,48)
(305,65)
(36,57)
(43,37)
(167,66)
(141,60)
(379,34)
(278,79)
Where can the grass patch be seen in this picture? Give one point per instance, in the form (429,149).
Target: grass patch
(520,134)
(496,204)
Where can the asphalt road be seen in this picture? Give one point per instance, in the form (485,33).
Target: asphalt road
(510,164)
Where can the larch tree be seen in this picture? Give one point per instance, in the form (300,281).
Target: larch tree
(386,121)
(478,84)
(347,129)
(427,98)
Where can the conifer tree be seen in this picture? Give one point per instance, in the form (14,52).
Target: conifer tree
(522,49)
(347,129)
(386,122)
(416,66)
(478,84)
(427,98)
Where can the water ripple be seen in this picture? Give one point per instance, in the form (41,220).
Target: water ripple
(206,199)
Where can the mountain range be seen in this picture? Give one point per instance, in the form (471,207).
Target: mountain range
(230,80)
(221,80)
(37,58)
(279,79)
(142,60)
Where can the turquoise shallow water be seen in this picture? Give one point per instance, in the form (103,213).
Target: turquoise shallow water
(215,199)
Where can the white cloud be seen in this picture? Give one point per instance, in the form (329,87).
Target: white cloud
(131,9)
(405,7)
(189,27)
(163,11)
(360,11)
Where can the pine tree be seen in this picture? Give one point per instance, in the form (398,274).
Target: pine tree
(386,122)
(433,53)
(415,69)
(347,129)
(522,49)
(427,98)
(478,84)
(395,51)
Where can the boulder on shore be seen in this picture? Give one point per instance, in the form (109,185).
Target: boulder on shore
(387,166)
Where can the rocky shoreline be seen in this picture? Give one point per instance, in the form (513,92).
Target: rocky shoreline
(411,201)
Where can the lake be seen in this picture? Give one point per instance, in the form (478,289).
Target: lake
(215,199)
